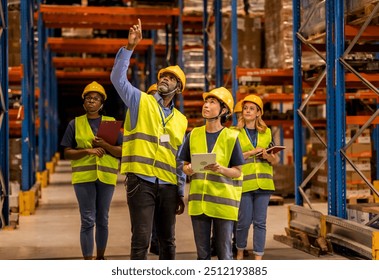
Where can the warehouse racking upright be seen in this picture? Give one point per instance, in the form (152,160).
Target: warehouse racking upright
(28,128)
(337,73)
(4,130)
(47,104)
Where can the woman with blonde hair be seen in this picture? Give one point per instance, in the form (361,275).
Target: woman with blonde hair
(258,185)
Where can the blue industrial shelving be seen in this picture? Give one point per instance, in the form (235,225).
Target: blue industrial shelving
(334,74)
(4,129)
(42,141)
(28,132)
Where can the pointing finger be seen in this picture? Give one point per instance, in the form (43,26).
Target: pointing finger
(139,25)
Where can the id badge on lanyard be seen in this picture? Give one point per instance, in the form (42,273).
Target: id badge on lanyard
(165,138)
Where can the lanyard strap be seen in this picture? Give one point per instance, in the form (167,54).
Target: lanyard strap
(162,116)
(252,141)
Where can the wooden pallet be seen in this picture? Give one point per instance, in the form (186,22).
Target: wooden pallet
(276,200)
(350,200)
(360,199)
(316,195)
(301,240)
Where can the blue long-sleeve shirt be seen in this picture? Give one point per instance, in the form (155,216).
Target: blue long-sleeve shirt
(131,97)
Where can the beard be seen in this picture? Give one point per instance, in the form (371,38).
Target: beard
(163,88)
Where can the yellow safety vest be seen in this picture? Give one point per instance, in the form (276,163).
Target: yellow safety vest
(258,172)
(150,148)
(91,167)
(211,193)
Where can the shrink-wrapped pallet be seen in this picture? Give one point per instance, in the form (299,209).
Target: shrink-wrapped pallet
(278,33)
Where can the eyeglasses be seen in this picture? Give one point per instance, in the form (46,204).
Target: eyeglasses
(90,98)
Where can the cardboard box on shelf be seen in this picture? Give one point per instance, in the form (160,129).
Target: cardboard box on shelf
(363,138)
(351,191)
(363,164)
(249,42)
(359,150)
(362,213)
(355,178)
(320,189)
(284,179)
(364,190)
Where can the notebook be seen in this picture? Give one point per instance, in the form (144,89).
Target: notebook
(109,131)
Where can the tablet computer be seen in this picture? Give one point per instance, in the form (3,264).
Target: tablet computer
(200,160)
(109,131)
(273,149)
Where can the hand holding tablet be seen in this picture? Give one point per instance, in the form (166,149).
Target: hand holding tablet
(200,160)
(272,150)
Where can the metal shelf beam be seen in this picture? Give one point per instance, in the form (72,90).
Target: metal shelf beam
(112,18)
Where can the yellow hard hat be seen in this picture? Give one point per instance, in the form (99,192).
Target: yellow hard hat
(238,107)
(255,99)
(175,70)
(153,87)
(94,87)
(223,95)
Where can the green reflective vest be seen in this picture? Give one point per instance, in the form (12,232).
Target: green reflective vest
(91,167)
(150,148)
(258,172)
(211,193)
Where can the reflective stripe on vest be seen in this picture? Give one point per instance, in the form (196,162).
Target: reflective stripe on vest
(143,152)
(258,172)
(217,179)
(90,168)
(211,193)
(214,199)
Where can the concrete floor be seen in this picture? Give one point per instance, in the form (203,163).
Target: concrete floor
(53,231)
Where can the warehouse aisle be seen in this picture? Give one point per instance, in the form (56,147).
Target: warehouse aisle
(53,231)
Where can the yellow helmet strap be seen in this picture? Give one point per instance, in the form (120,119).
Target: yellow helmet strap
(173,92)
(179,85)
(220,114)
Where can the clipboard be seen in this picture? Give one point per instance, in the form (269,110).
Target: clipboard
(273,149)
(200,160)
(109,131)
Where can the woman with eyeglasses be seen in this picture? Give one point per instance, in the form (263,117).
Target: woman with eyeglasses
(95,165)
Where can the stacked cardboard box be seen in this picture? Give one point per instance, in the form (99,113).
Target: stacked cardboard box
(284,179)
(14,37)
(278,33)
(249,33)
(279,37)
(363,213)
(316,153)
(15,170)
(360,154)
(193,61)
